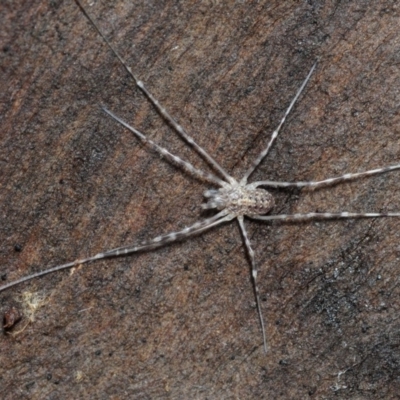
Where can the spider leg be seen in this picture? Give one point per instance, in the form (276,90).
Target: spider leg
(325,182)
(178,128)
(250,252)
(177,161)
(148,245)
(275,133)
(171,237)
(313,215)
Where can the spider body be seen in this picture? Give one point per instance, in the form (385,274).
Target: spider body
(238,199)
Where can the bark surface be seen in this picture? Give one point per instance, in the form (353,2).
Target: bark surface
(180,322)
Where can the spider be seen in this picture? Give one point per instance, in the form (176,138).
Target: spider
(232,199)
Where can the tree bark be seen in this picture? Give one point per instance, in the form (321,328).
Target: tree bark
(180,322)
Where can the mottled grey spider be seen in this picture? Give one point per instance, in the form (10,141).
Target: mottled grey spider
(233,198)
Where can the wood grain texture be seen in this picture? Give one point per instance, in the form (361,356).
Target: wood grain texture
(180,322)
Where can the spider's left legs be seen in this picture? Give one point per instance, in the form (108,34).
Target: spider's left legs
(250,252)
(325,182)
(315,216)
(162,240)
(148,245)
(275,133)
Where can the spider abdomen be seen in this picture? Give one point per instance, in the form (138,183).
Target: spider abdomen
(240,200)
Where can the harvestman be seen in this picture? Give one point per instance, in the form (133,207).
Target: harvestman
(233,199)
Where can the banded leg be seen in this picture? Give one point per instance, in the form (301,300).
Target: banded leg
(313,215)
(250,252)
(151,244)
(325,182)
(275,133)
(178,128)
(169,156)
(159,241)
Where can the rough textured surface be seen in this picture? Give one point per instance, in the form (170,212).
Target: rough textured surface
(180,322)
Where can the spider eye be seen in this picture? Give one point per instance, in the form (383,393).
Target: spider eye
(210,193)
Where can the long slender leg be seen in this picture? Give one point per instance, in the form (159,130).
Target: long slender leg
(325,182)
(254,277)
(148,245)
(313,215)
(178,128)
(196,228)
(275,133)
(169,156)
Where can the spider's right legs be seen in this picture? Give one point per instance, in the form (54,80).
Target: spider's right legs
(177,161)
(325,182)
(178,128)
(275,133)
